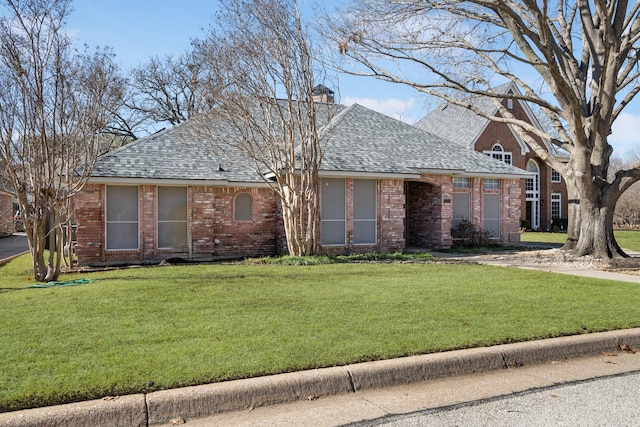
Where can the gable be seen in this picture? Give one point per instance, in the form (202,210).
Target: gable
(464,127)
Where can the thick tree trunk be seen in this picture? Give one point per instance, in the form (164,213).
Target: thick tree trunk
(597,206)
(573,215)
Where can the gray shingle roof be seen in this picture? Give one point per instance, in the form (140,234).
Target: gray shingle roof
(357,139)
(458,124)
(362,140)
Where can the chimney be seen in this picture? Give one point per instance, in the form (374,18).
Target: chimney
(322,94)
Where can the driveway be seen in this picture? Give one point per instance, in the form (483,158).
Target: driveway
(13,245)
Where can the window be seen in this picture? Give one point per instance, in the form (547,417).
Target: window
(460,208)
(555,176)
(556,205)
(491,183)
(244,207)
(172,217)
(498,153)
(492,214)
(510,104)
(333,211)
(122,218)
(460,182)
(364,211)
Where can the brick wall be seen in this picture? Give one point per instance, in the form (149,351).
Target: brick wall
(429,211)
(89,214)
(212,229)
(6,214)
(501,133)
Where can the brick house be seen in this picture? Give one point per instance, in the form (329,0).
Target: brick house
(384,185)
(544,193)
(6,212)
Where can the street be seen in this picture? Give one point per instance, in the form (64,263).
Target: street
(595,390)
(13,245)
(611,401)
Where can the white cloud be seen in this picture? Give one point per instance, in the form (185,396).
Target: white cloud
(397,108)
(625,135)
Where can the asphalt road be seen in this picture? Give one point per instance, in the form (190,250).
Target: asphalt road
(611,401)
(13,245)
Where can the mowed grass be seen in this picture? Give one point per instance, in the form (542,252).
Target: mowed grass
(144,329)
(627,239)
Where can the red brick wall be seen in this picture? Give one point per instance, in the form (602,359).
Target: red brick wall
(429,211)
(499,132)
(212,229)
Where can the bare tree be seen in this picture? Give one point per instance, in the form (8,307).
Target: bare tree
(169,90)
(576,60)
(54,102)
(627,213)
(262,58)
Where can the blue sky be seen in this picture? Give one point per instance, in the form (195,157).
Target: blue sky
(139,29)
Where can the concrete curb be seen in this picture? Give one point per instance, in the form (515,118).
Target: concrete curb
(199,401)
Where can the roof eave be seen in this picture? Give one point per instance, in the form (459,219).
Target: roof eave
(175,182)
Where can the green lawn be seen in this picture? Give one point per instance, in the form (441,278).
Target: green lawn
(144,329)
(627,239)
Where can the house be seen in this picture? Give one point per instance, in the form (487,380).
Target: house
(6,211)
(384,186)
(544,194)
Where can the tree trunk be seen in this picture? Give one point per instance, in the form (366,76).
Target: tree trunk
(573,215)
(597,206)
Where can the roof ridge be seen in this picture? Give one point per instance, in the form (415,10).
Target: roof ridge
(335,120)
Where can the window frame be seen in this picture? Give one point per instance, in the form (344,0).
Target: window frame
(497,219)
(236,210)
(172,221)
(372,209)
(495,183)
(556,199)
(555,176)
(498,152)
(326,220)
(108,221)
(461,182)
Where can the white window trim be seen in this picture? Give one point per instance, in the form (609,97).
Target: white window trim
(497,152)
(556,198)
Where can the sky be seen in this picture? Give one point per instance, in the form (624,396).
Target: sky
(139,29)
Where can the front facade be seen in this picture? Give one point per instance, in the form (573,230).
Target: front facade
(383,188)
(544,194)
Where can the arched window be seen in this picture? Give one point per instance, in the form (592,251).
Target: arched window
(498,153)
(244,207)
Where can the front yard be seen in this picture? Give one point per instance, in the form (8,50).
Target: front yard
(144,329)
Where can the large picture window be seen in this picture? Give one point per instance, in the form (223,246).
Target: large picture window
(364,211)
(122,218)
(333,211)
(172,217)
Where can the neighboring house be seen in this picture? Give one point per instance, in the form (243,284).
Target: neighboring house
(6,212)
(544,194)
(384,186)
